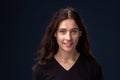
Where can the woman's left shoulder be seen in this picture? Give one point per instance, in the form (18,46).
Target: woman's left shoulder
(95,67)
(93,61)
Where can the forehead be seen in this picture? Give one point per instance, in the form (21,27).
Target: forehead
(68,24)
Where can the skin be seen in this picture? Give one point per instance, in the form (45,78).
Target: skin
(67,37)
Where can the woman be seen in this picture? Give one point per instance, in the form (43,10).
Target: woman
(65,52)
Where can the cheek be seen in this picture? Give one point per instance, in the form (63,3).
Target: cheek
(76,37)
(75,40)
(59,38)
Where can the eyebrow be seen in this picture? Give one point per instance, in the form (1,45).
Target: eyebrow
(76,28)
(65,28)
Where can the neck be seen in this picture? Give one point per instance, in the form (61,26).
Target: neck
(65,56)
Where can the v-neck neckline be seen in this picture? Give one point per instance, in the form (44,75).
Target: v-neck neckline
(72,67)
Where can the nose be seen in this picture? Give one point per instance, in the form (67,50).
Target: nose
(68,36)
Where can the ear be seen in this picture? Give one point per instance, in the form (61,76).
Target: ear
(80,34)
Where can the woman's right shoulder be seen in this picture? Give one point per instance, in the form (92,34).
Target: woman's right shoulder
(37,67)
(37,71)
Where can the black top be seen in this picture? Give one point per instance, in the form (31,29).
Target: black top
(85,68)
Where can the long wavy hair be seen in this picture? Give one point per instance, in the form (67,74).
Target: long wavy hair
(49,45)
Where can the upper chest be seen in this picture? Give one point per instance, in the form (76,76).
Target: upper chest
(77,71)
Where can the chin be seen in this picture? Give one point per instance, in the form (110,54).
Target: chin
(68,49)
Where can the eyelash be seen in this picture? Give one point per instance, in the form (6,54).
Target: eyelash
(62,31)
(73,31)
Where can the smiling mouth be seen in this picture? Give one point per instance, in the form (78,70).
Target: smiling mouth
(68,44)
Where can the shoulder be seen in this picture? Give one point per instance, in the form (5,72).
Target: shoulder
(36,66)
(91,60)
(92,64)
(95,67)
(95,63)
(40,68)
(37,71)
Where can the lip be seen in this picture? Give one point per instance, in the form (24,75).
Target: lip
(68,44)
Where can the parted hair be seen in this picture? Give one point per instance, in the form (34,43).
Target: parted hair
(49,45)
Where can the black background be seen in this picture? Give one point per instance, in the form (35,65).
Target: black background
(24,22)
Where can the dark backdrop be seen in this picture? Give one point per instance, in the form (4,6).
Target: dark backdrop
(24,22)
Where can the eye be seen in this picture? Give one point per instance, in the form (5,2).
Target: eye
(74,31)
(62,31)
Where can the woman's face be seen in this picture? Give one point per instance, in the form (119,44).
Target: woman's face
(67,35)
